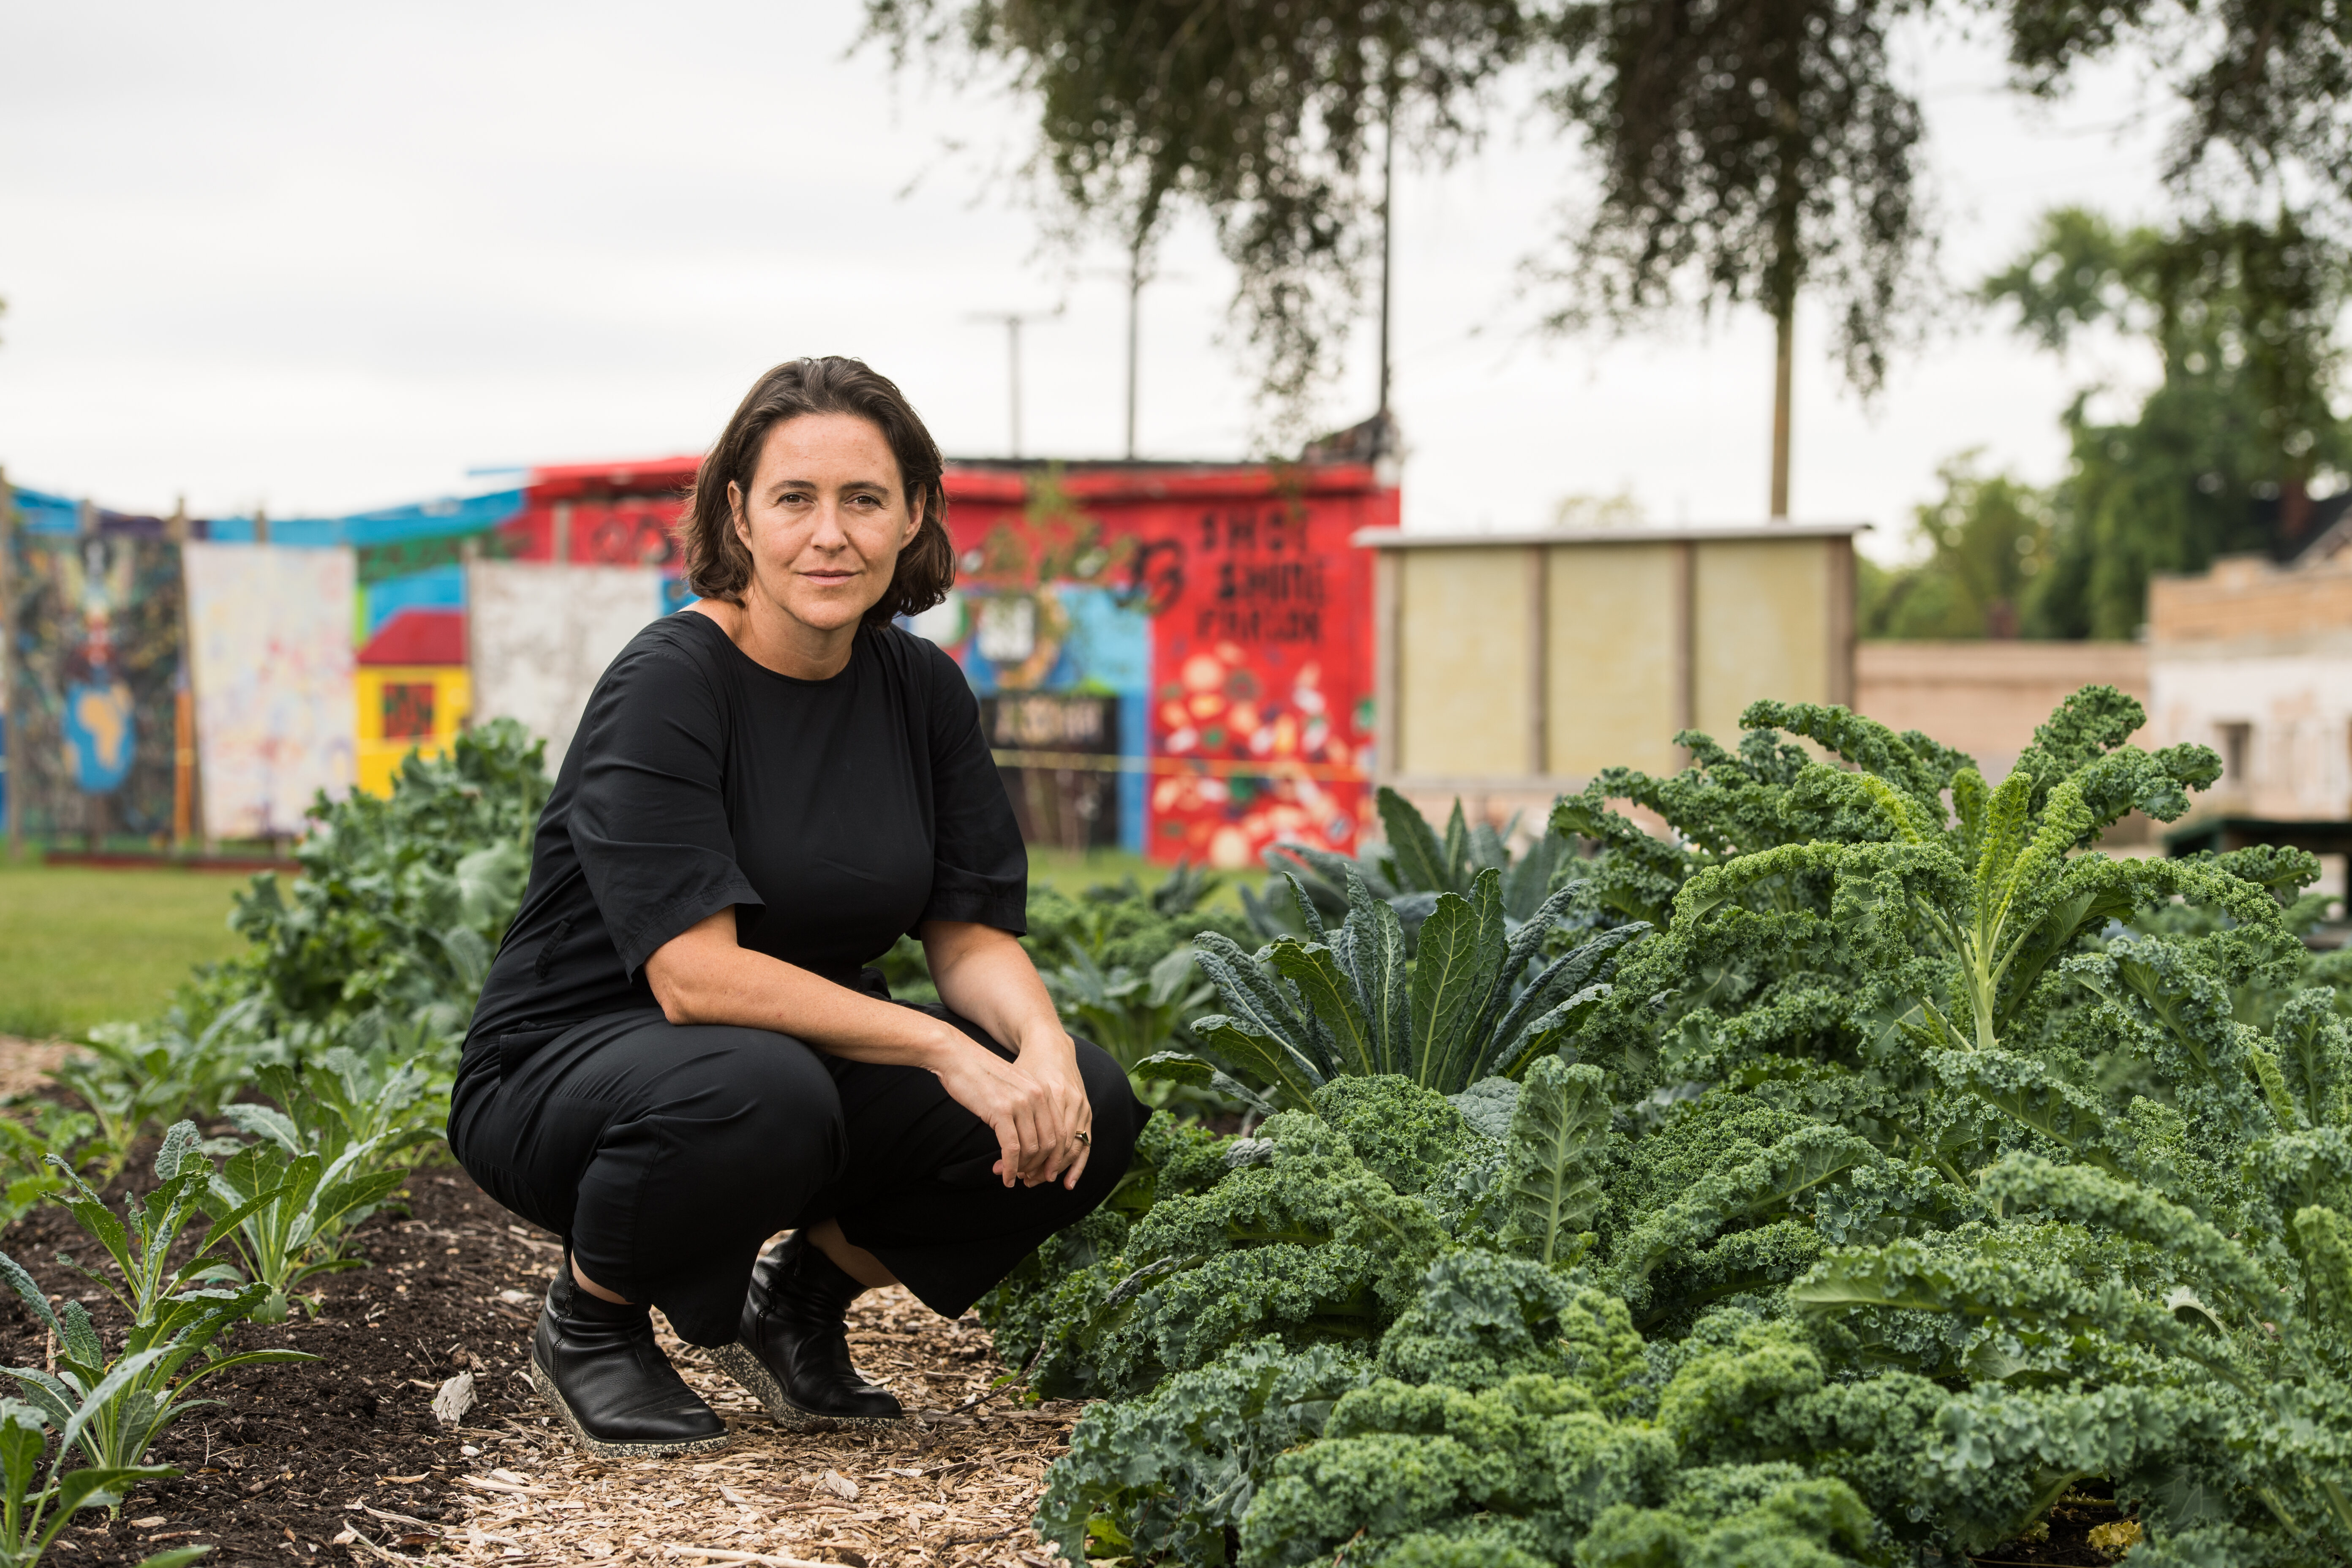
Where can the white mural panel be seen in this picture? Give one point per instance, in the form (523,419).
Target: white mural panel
(269,640)
(541,635)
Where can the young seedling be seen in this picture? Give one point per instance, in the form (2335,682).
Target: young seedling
(142,1241)
(284,1208)
(31,1516)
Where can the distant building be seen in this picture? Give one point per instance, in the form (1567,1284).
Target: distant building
(2255,660)
(1988,696)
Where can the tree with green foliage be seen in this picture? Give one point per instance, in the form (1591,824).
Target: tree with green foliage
(1272,116)
(2265,84)
(1750,155)
(2221,457)
(1988,537)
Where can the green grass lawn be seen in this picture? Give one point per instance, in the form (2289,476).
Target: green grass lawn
(81,945)
(1070,871)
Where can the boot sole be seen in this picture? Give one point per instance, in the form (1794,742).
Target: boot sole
(604,1448)
(747,1369)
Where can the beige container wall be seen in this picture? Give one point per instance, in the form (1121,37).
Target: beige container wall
(1464,700)
(1611,666)
(1519,666)
(1762,629)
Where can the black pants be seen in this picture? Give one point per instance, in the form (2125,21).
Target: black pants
(666,1154)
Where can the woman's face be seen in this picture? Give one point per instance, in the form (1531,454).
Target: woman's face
(825,519)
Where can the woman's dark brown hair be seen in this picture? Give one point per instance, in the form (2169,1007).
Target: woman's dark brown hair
(717,565)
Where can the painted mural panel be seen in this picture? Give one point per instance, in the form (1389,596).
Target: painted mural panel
(96,664)
(1261,664)
(403,709)
(269,640)
(541,635)
(1233,626)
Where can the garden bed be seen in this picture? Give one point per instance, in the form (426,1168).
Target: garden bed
(342,1459)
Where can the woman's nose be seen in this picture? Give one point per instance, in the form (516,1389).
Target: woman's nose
(829,534)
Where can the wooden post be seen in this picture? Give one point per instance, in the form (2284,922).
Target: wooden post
(93,807)
(1840,621)
(1539,660)
(260,525)
(1388,694)
(1685,631)
(184,701)
(560,545)
(12,739)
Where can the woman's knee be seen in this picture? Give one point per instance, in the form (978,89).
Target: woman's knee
(1117,1115)
(749,1099)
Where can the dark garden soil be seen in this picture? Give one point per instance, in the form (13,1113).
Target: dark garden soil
(268,1469)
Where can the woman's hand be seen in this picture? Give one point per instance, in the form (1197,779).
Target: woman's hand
(1036,1106)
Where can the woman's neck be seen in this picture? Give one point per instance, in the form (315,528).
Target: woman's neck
(774,640)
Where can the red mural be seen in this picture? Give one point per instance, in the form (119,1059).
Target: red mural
(1259,723)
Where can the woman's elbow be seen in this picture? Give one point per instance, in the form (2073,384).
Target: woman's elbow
(674,996)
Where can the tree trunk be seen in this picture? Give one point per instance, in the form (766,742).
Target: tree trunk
(1784,324)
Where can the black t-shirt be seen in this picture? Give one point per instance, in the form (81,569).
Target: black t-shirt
(833,814)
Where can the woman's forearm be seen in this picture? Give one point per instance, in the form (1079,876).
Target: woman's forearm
(1036,1107)
(702,976)
(983,975)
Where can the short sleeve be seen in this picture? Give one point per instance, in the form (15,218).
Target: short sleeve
(980,869)
(649,822)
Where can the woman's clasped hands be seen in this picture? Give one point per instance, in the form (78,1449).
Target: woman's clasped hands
(1036,1105)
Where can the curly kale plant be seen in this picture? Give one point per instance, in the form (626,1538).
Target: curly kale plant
(1840,931)
(2169,1303)
(1315,1230)
(1510,1416)
(1926,1163)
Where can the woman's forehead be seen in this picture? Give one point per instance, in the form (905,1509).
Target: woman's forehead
(828,449)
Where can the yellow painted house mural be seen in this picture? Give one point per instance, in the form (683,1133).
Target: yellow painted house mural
(405,707)
(414,692)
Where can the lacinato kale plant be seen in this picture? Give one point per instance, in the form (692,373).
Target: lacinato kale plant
(1411,869)
(1475,1002)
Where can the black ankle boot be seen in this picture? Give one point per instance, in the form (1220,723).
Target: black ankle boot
(794,1354)
(597,1364)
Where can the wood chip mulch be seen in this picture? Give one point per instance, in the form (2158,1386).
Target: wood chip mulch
(946,1488)
(25,1065)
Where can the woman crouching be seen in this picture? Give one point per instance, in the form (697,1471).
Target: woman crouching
(679,1050)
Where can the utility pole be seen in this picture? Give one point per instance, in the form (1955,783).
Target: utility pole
(12,739)
(1134,310)
(1137,275)
(1012,321)
(1388,247)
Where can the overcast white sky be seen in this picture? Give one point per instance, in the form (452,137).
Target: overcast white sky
(325,258)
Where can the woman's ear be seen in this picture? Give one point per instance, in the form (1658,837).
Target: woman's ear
(742,523)
(915,515)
